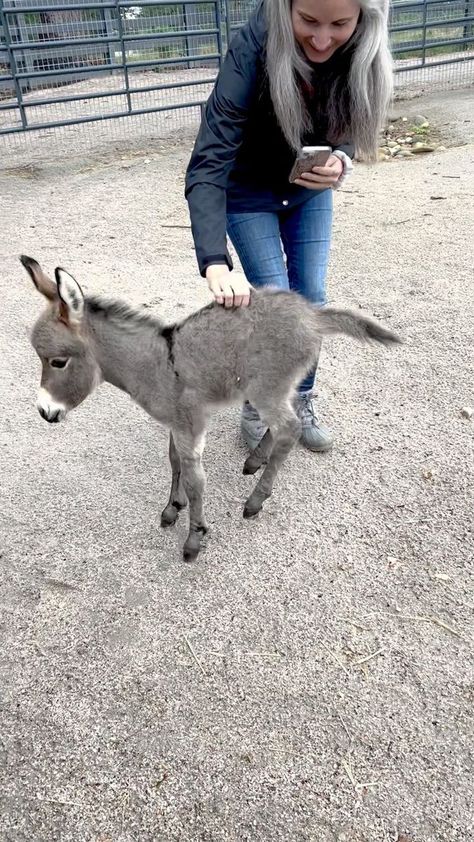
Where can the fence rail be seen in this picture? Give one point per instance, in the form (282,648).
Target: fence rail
(72,62)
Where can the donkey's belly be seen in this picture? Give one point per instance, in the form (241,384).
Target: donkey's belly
(226,393)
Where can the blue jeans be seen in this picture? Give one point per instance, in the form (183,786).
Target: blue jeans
(288,249)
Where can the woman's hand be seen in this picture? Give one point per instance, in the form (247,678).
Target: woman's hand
(322,177)
(228,288)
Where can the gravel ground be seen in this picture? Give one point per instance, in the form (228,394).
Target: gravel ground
(311,677)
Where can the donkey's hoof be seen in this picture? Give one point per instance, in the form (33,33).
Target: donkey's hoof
(169,516)
(194,543)
(251,511)
(251,465)
(190,554)
(170,513)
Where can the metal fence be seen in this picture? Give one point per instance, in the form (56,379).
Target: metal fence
(72,62)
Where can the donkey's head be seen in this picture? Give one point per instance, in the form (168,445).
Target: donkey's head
(69,370)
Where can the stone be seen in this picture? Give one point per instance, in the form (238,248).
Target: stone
(420,121)
(419,148)
(467,412)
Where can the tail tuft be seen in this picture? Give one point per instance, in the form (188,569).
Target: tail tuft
(332,320)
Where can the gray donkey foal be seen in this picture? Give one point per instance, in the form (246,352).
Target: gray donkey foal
(179,373)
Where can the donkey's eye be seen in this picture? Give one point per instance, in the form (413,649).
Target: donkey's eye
(59,362)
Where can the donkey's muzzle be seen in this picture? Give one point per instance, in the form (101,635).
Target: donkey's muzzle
(52,417)
(49,409)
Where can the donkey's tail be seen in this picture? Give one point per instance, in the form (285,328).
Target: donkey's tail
(329,320)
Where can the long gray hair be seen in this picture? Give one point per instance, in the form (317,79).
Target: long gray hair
(356,105)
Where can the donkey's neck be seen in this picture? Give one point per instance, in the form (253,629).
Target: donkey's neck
(131,351)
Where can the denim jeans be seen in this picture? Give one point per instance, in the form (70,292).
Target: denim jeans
(288,249)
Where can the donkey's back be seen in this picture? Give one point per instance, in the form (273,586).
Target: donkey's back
(268,346)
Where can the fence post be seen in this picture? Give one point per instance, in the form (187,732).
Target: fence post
(124,55)
(220,46)
(224,14)
(468,30)
(186,27)
(423,46)
(13,68)
(108,21)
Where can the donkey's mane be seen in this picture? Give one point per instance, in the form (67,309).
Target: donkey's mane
(131,317)
(120,311)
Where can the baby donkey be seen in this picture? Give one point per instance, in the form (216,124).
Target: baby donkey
(180,373)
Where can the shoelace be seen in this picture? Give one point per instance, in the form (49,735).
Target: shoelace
(305,409)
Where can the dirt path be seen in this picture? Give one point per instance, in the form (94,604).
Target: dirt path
(311,678)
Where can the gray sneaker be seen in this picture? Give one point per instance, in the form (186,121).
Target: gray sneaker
(251,425)
(314,435)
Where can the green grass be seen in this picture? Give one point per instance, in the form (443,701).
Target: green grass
(432,38)
(168,52)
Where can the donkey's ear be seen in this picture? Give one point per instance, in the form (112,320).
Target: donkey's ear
(71,297)
(43,284)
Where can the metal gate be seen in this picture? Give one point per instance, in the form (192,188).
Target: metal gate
(64,62)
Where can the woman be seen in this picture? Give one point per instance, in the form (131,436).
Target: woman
(299,73)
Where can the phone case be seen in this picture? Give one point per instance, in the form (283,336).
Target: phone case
(305,162)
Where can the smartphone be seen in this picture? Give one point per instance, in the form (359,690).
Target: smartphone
(309,157)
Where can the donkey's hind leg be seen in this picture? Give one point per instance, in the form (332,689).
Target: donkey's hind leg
(260,455)
(190,447)
(177,499)
(286,429)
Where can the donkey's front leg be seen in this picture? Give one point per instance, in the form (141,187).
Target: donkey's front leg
(178,499)
(190,447)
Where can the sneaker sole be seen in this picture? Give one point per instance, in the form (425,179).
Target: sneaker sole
(323,449)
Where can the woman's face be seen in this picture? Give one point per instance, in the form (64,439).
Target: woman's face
(321,26)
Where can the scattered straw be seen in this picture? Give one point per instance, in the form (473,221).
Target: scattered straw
(367,784)
(356,625)
(348,770)
(369,657)
(198,662)
(441,624)
(435,620)
(61,801)
(335,658)
(249,654)
(350,774)
(420,619)
(164,225)
(262,654)
(346,729)
(59,583)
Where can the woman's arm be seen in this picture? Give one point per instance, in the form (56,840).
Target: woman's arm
(218,142)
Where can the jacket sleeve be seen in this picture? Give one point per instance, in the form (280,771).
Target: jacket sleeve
(348,148)
(217,144)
